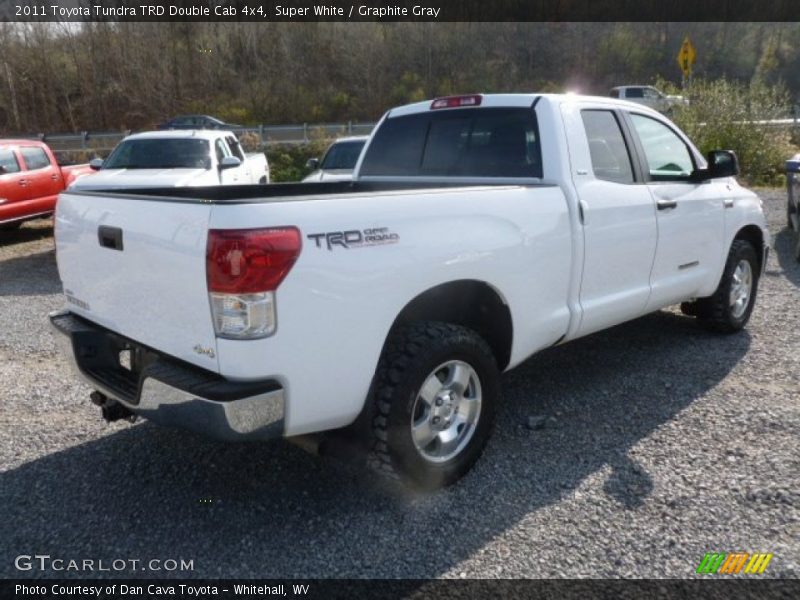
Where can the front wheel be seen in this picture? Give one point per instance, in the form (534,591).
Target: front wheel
(729,308)
(434,400)
(797,246)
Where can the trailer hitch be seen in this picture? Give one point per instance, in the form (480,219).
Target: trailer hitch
(111,409)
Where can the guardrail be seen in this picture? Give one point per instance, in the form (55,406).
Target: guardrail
(267,135)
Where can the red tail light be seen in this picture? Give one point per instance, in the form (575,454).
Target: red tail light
(248,261)
(457,101)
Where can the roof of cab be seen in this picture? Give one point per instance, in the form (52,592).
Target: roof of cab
(19,142)
(517,100)
(200,134)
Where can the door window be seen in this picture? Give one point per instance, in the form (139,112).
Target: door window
(35,158)
(8,161)
(221,150)
(668,157)
(611,160)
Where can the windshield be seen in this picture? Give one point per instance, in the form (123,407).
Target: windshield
(160,153)
(342,155)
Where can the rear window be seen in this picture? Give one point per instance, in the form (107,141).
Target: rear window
(486,142)
(634,93)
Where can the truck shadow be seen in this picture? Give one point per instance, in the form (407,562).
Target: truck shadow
(271,510)
(784,243)
(29,232)
(30,275)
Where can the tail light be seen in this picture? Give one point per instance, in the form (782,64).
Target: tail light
(244,267)
(457,101)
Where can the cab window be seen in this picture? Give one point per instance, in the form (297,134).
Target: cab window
(668,157)
(8,161)
(35,158)
(611,160)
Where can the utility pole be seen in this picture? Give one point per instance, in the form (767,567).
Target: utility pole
(13,96)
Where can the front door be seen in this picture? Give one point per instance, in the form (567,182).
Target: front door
(690,215)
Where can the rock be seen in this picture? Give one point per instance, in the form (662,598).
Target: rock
(536,422)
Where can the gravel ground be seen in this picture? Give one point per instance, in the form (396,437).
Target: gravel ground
(664,442)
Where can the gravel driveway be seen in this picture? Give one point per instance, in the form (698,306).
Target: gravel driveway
(664,442)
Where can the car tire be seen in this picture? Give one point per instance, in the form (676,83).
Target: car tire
(434,398)
(797,246)
(728,309)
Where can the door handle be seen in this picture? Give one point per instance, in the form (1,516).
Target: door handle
(54,177)
(666,204)
(110,237)
(727,203)
(23,182)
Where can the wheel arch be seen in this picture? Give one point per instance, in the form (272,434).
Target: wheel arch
(755,237)
(467,302)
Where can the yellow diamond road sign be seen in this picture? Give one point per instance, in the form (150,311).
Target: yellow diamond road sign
(686,56)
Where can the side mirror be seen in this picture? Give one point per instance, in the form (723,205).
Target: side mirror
(722,163)
(312,164)
(95,164)
(229,162)
(3,170)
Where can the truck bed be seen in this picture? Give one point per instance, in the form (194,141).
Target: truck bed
(274,192)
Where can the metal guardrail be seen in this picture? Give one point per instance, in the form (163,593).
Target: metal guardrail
(267,135)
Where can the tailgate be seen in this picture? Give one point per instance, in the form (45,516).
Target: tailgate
(137,267)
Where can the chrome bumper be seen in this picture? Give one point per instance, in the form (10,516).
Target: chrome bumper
(167,391)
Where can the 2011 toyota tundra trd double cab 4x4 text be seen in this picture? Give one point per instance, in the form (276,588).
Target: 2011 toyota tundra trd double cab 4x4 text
(478,230)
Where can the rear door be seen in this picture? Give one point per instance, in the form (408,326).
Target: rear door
(690,215)
(44,177)
(137,266)
(618,216)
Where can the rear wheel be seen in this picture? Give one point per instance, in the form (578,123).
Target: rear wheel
(729,308)
(434,400)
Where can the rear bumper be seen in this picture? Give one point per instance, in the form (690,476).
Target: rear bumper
(167,391)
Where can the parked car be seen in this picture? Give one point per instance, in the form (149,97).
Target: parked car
(30,181)
(339,161)
(649,96)
(478,230)
(177,158)
(197,122)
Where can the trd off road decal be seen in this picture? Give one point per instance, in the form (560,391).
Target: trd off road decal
(354,238)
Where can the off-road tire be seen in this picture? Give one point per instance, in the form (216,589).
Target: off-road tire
(410,355)
(716,311)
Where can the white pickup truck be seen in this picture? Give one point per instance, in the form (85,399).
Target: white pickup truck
(479,230)
(177,158)
(649,96)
